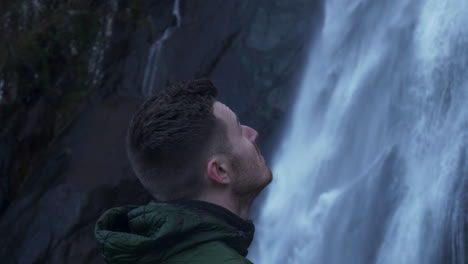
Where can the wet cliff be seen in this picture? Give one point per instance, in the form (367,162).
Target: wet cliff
(71,75)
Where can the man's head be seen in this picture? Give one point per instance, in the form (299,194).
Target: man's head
(243,166)
(182,143)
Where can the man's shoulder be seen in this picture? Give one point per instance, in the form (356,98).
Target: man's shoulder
(168,234)
(209,252)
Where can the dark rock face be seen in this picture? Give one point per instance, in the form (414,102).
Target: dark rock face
(52,221)
(252,50)
(44,53)
(75,123)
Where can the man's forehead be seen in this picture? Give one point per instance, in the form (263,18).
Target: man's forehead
(221,110)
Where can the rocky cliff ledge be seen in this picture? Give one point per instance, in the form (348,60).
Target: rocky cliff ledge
(73,72)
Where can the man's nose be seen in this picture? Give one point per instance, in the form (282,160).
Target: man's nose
(252,134)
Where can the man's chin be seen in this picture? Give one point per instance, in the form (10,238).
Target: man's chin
(270,175)
(267,179)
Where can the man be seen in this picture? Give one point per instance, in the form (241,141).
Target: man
(203,169)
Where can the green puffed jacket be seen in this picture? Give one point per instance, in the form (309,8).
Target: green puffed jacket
(166,233)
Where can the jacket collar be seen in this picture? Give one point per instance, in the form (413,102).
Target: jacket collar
(218,212)
(245,228)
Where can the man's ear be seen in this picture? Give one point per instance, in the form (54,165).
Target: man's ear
(216,170)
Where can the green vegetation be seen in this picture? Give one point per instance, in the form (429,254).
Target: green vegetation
(44,56)
(49,57)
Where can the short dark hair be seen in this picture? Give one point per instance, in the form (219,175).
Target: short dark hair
(171,135)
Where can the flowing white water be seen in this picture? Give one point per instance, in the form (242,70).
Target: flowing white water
(1,90)
(373,166)
(151,68)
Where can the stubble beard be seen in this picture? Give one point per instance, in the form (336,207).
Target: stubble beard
(248,183)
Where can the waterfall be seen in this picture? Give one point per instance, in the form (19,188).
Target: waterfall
(96,59)
(373,165)
(1,90)
(155,52)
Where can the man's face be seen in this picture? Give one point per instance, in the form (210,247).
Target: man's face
(250,173)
